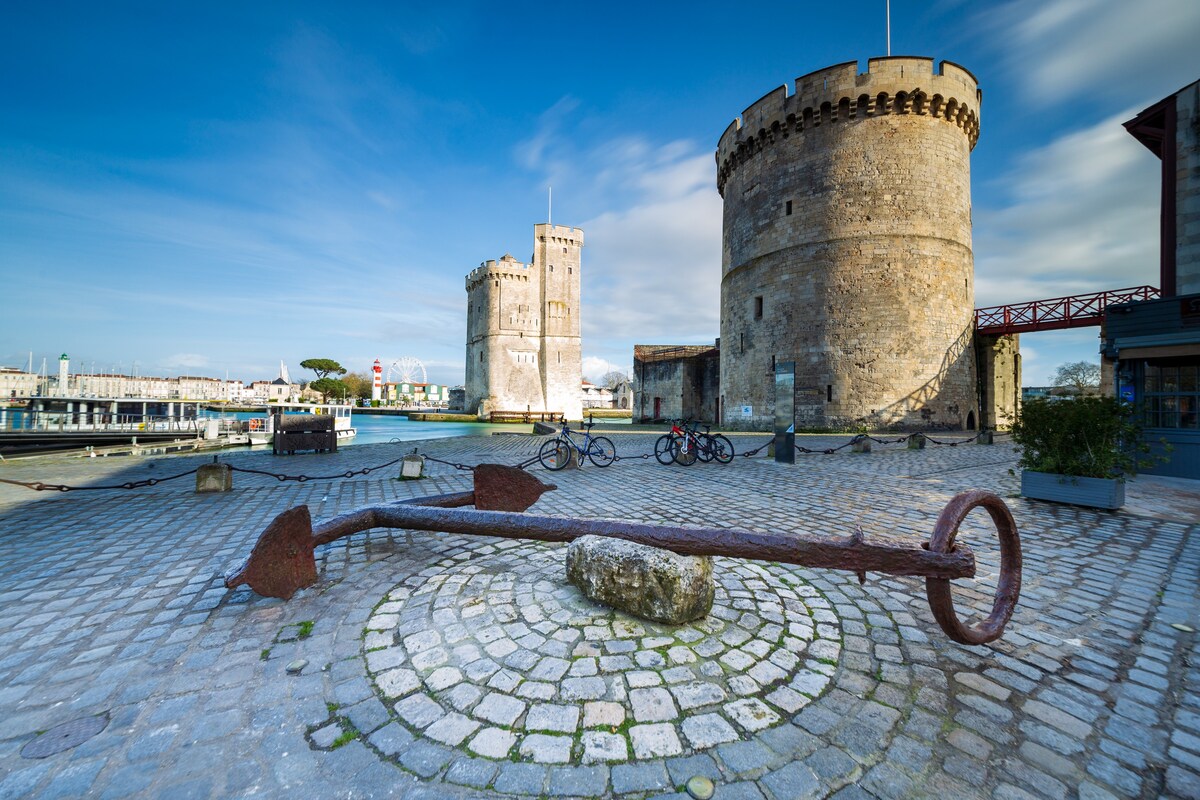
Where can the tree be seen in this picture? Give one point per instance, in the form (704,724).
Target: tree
(323,367)
(1078,374)
(613,379)
(329,386)
(358,384)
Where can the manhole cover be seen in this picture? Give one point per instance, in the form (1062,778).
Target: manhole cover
(64,737)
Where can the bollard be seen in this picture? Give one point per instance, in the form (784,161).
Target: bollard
(214,477)
(861,444)
(771,449)
(412,467)
(916,441)
(985,437)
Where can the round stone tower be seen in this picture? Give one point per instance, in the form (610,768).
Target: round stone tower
(847,248)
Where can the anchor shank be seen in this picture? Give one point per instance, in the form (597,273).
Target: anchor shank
(847,553)
(364,519)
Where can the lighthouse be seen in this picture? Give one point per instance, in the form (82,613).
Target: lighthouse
(64,375)
(377,382)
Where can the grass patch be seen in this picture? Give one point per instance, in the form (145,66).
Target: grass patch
(304,629)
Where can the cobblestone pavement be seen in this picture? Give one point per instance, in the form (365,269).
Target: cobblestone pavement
(449,666)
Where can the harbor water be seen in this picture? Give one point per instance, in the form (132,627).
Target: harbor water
(374,429)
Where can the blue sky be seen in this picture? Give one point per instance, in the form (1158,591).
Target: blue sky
(215,188)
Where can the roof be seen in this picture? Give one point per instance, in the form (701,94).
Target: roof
(671,352)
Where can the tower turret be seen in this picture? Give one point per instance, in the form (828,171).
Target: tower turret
(847,247)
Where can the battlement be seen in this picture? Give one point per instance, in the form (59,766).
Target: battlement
(891,85)
(558,233)
(507,268)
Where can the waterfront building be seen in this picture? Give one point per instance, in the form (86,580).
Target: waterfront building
(17,383)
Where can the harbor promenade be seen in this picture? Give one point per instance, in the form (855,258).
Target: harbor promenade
(436,666)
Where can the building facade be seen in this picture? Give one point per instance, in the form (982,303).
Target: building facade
(1152,349)
(523,329)
(847,249)
(17,383)
(676,382)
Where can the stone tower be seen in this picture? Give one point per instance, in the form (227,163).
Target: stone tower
(847,248)
(523,335)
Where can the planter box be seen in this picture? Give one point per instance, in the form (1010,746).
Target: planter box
(1094,492)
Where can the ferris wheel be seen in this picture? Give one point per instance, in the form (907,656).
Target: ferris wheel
(407,370)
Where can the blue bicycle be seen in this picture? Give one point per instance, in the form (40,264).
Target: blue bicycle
(557,452)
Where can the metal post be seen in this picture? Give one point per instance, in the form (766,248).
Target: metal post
(785,412)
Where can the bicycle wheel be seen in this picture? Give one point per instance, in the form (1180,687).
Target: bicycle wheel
(683,451)
(722,449)
(704,448)
(662,449)
(602,452)
(555,454)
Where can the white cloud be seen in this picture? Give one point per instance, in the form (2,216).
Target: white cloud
(652,260)
(1082,216)
(595,368)
(1130,51)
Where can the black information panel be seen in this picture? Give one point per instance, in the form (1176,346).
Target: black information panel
(785,412)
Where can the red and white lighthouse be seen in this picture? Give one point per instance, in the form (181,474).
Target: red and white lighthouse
(377,382)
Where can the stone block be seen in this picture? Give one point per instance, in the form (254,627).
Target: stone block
(214,478)
(412,467)
(644,581)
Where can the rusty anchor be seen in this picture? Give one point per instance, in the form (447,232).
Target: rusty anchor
(282,560)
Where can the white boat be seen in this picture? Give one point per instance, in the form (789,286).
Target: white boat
(262,429)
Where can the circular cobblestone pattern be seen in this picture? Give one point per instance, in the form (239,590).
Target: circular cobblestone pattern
(491,651)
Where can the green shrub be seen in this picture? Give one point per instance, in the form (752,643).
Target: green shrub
(1087,437)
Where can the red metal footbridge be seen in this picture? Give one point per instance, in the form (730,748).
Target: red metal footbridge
(1078,311)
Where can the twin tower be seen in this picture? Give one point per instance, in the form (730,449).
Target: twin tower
(523,342)
(846,253)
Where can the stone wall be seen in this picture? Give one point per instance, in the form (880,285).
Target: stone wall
(999,360)
(523,341)
(685,379)
(847,248)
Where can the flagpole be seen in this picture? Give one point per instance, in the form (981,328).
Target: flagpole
(889,27)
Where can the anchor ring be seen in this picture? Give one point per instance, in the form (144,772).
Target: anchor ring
(1008,587)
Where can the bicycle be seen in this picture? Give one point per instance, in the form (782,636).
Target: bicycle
(684,444)
(555,454)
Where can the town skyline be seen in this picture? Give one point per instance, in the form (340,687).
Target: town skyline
(211,201)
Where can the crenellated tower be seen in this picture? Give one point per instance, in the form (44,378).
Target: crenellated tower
(847,247)
(523,331)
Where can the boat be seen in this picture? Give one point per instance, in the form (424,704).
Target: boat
(261,430)
(65,423)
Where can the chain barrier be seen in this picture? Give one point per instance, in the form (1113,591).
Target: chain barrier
(350,473)
(39,486)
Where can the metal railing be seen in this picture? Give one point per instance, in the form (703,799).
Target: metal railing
(1077,311)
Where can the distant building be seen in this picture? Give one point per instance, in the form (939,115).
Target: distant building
(416,394)
(16,383)
(676,382)
(623,395)
(1152,348)
(593,396)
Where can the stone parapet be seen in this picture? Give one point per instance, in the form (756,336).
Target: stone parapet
(892,85)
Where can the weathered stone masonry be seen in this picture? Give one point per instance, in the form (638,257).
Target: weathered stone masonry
(847,248)
(523,334)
